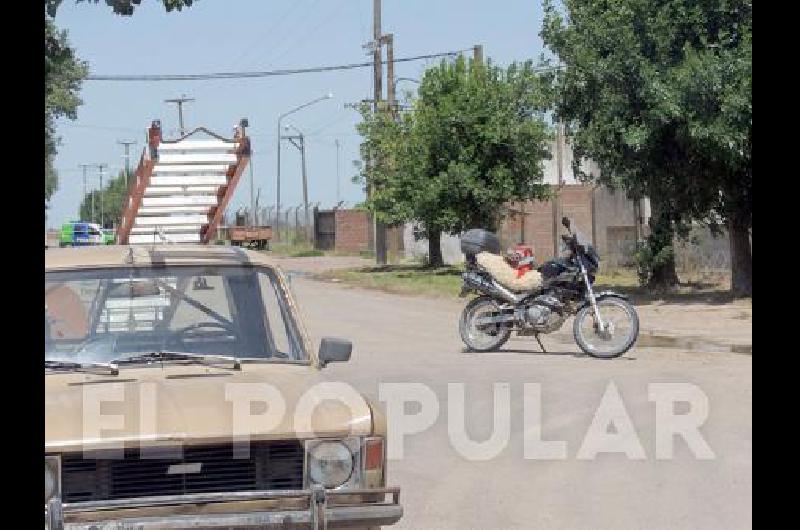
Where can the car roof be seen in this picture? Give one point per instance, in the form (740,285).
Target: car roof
(106,256)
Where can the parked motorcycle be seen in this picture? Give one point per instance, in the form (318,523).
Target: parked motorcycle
(606,325)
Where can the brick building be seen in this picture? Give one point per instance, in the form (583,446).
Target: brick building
(608,218)
(350,231)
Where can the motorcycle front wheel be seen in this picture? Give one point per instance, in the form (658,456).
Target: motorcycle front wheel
(621,328)
(483,337)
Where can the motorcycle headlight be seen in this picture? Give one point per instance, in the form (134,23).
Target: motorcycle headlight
(330,463)
(52,478)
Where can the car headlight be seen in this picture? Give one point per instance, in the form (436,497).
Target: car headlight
(52,479)
(330,463)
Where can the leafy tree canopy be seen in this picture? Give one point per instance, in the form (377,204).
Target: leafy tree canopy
(120,7)
(659,94)
(473,140)
(64,72)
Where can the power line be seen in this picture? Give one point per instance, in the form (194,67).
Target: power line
(255,45)
(98,127)
(268,73)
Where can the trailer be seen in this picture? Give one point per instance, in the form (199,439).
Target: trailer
(251,236)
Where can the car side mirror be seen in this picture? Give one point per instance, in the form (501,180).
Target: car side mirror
(333,350)
(565,222)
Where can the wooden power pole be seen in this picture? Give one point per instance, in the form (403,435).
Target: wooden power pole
(377,42)
(179,102)
(477,53)
(560,176)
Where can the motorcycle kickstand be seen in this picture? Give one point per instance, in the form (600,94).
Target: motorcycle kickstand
(536,336)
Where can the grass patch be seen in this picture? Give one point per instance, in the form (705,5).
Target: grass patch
(446,282)
(306,253)
(294,250)
(403,279)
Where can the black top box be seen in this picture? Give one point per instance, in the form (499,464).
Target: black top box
(479,240)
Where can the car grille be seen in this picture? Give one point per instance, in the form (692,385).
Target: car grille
(269,466)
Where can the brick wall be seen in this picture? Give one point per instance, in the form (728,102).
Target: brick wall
(576,203)
(604,217)
(352,230)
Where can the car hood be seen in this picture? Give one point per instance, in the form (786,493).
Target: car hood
(171,404)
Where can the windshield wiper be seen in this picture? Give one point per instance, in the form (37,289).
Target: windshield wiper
(179,356)
(92,368)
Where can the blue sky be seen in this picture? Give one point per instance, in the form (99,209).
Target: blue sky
(234,35)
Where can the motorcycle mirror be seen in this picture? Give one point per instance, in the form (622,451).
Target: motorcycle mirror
(565,222)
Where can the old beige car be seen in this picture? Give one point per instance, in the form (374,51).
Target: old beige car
(182,391)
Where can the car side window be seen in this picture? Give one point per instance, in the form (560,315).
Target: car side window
(279,320)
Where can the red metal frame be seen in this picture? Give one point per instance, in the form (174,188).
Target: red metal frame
(226,192)
(143,173)
(145,170)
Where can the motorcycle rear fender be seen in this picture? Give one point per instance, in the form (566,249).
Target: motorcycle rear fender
(601,295)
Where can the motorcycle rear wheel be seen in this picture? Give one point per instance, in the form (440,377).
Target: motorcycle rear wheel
(485,338)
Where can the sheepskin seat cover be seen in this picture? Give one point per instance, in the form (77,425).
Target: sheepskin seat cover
(506,275)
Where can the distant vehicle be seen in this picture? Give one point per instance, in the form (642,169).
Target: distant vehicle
(256,237)
(109,236)
(79,233)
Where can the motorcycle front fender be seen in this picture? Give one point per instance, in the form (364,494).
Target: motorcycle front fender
(601,295)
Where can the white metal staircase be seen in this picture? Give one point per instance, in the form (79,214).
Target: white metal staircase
(182,187)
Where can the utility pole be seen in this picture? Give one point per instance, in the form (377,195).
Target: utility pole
(377,66)
(278,175)
(389,40)
(337,169)
(305,184)
(301,146)
(377,42)
(180,101)
(477,53)
(560,176)
(127,144)
(380,228)
(102,211)
(84,167)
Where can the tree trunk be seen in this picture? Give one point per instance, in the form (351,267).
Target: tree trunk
(661,239)
(435,248)
(741,259)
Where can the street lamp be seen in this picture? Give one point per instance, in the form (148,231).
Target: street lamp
(398,79)
(278,176)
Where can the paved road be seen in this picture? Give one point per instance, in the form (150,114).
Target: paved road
(413,339)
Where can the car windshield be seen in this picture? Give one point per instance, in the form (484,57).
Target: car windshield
(99,315)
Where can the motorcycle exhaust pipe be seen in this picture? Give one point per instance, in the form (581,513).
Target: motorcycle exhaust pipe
(505,294)
(491,288)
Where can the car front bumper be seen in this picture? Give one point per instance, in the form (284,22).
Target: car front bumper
(296,509)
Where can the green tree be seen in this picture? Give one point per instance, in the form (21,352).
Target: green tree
(112,197)
(120,7)
(63,73)
(473,140)
(658,93)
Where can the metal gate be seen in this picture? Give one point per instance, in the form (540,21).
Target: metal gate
(324,229)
